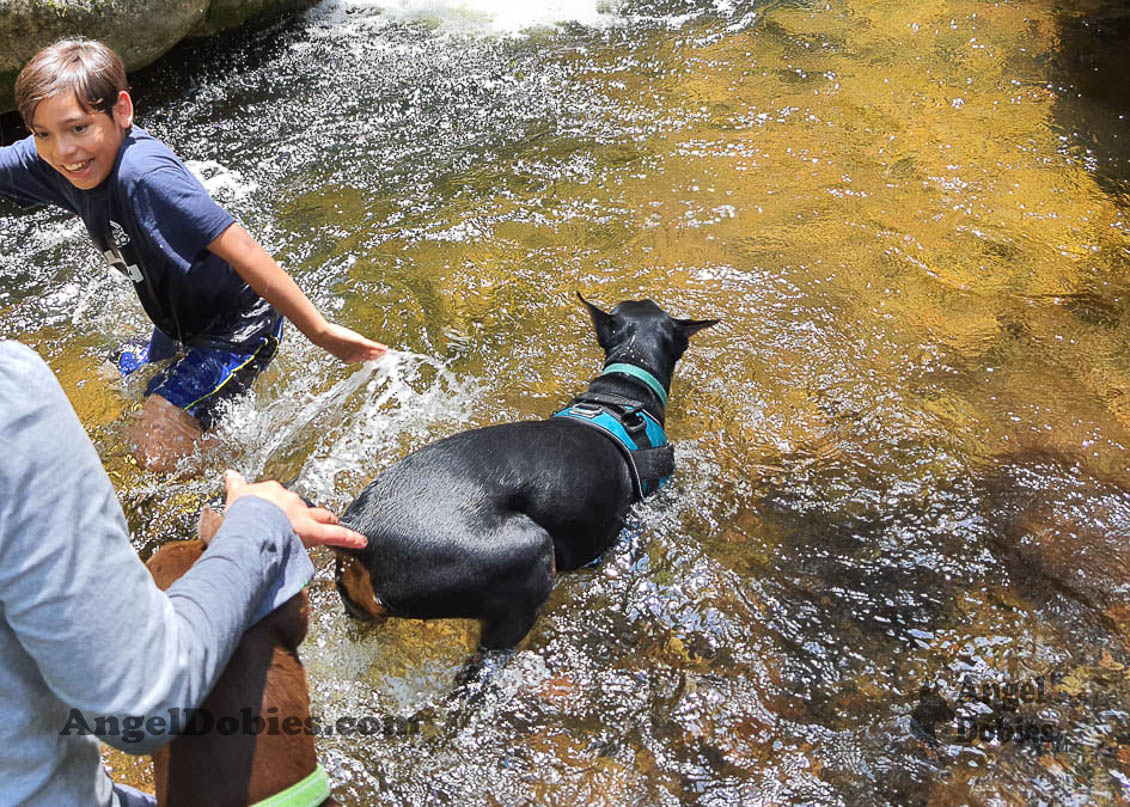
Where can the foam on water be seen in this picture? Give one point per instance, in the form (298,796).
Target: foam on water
(222,183)
(356,426)
(487,16)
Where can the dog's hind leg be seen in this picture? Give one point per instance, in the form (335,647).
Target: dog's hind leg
(512,606)
(505,624)
(473,681)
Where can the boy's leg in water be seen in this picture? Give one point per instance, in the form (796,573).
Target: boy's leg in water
(162,433)
(181,400)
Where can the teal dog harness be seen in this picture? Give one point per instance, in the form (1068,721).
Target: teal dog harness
(638,435)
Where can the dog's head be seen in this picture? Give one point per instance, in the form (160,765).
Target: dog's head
(171,561)
(639,332)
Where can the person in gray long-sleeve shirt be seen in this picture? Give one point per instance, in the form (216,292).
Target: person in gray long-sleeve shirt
(82,625)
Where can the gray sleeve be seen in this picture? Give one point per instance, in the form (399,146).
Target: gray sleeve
(106,640)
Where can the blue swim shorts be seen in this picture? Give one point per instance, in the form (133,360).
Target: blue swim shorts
(200,378)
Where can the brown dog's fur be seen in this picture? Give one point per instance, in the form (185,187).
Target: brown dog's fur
(264,675)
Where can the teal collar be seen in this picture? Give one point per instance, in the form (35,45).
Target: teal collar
(643,375)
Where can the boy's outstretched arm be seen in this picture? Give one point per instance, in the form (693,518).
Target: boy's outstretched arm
(274,285)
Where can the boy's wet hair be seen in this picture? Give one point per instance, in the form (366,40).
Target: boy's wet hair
(86,67)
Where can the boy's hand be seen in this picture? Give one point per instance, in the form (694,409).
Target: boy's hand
(314,525)
(349,345)
(263,274)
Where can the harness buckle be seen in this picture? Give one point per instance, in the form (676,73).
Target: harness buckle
(586,410)
(634,422)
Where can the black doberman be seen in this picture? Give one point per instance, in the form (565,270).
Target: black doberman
(477,525)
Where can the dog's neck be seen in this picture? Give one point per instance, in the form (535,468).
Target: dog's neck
(631,386)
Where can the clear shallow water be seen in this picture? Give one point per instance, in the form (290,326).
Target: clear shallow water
(903,453)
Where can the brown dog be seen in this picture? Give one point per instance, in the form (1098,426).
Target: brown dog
(265,678)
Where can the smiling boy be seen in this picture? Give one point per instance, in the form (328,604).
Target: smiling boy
(216,297)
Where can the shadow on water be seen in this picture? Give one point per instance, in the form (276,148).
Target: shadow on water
(1063,534)
(1093,116)
(1095,110)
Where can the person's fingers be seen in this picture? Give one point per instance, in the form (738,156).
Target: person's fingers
(366,354)
(233,483)
(318,534)
(315,526)
(322,515)
(352,346)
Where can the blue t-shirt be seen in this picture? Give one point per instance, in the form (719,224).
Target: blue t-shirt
(152,220)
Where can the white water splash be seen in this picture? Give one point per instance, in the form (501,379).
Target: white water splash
(356,426)
(224,184)
(107,304)
(487,16)
(394,408)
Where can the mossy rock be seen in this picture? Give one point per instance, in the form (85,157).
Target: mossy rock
(141,31)
(224,15)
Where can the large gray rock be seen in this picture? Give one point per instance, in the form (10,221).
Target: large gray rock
(139,30)
(225,14)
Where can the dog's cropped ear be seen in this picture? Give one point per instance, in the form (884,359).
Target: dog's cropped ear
(602,321)
(209,524)
(689,327)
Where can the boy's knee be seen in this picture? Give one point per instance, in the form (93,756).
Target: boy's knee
(162,434)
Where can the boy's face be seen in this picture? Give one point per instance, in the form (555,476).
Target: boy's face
(81,145)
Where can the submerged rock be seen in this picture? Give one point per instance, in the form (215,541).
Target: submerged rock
(141,31)
(1058,525)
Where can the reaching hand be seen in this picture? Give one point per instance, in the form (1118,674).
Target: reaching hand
(316,526)
(348,345)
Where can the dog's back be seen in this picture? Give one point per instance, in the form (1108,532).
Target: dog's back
(477,525)
(264,679)
(445,501)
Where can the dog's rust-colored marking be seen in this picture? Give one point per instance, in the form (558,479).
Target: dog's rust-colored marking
(209,524)
(355,584)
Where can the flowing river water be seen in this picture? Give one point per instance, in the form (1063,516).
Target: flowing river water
(893,567)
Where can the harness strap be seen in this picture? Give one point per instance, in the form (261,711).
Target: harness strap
(649,464)
(637,483)
(311,791)
(655,463)
(608,399)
